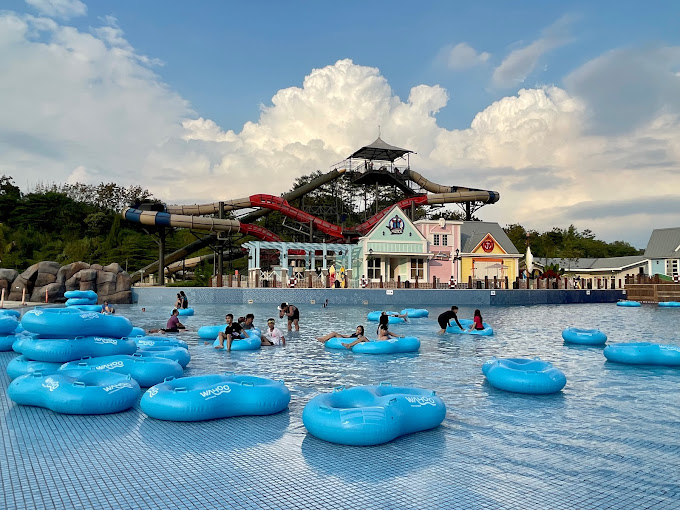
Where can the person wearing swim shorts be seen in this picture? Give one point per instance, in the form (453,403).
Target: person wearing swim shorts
(444,319)
(293,314)
(232,332)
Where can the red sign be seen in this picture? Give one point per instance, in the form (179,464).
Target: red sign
(488,245)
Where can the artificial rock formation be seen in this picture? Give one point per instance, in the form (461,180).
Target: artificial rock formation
(111,283)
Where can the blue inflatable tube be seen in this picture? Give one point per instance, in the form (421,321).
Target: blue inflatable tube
(136,331)
(521,375)
(81,294)
(178,354)
(370,415)
(70,349)
(669,304)
(643,353)
(8,324)
(584,336)
(9,311)
(7,342)
(87,308)
(21,366)
(209,397)
(69,322)
(415,313)
(466,323)
(632,304)
(146,371)
(76,391)
(391,346)
(251,343)
(185,311)
(375,317)
(210,332)
(152,341)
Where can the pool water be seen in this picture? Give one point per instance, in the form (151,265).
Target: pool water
(608,440)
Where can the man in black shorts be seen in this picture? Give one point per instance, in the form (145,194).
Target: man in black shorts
(232,332)
(445,318)
(292,313)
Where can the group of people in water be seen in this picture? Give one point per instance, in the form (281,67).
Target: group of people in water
(236,330)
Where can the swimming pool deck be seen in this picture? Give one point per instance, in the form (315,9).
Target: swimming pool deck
(596,445)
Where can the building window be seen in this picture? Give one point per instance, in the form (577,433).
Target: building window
(435,239)
(373,269)
(445,240)
(417,270)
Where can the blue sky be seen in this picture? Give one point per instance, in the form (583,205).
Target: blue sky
(536,100)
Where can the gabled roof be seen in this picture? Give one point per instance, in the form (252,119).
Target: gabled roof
(663,243)
(593,264)
(381,225)
(380,151)
(473,232)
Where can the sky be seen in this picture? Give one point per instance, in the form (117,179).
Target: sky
(570,110)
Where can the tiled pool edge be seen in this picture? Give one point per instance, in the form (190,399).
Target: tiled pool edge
(391,297)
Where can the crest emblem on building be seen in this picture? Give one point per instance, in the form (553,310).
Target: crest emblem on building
(396,225)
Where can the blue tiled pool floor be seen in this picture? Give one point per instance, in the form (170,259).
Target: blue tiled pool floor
(609,440)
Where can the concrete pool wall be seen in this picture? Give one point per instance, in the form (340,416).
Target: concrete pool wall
(391,297)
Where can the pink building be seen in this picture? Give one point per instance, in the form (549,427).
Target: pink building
(443,239)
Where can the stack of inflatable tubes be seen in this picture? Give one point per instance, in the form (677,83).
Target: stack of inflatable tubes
(643,353)
(10,329)
(61,350)
(209,397)
(375,317)
(631,304)
(391,346)
(76,391)
(21,365)
(584,336)
(521,375)
(84,298)
(415,313)
(466,323)
(147,371)
(172,352)
(370,415)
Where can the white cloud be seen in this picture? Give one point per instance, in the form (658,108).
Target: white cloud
(63,9)
(88,107)
(463,56)
(521,62)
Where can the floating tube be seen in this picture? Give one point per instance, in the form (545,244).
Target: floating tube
(643,353)
(210,332)
(70,349)
(209,397)
(81,294)
(177,354)
(628,303)
(466,323)
(80,302)
(185,311)
(21,365)
(152,341)
(136,331)
(87,308)
(391,346)
(8,324)
(370,415)
(375,317)
(584,336)
(251,343)
(8,311)
(669,304)
(76,391)
(415,313)
(146,371)
(521,375)
(68,322)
